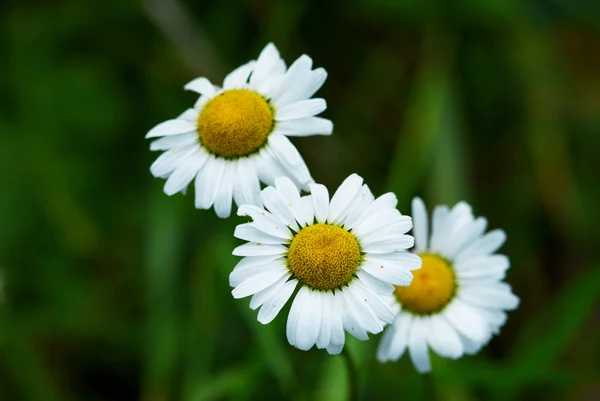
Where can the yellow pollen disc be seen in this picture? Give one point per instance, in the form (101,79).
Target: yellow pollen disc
(235,123)
(433,286)
(324,256)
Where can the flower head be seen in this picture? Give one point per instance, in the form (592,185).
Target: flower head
(345,255)
(236,136)
(457,300)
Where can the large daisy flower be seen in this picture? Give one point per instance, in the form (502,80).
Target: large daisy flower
(236,136)
(457,300)
(344,256)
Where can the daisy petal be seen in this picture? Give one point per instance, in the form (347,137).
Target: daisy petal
(265,221)
(343,197)
(238,78)
(258,249)
(301,109)
(248,232)
(171,127)
(305,127)
(202,86)
(273,305)
(259,282)
(267,61)
(320,198)
(417,348)
(208,181)
(421,224)
(225,192)
(246,186)
(442,338)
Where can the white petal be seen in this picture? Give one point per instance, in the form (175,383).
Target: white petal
(208,181)
(278,208)
(465,236)
(303,86)
(273,305)
(335,349)
(320,198)
(385,201)
(352,324)
(259,281)
(466,320)
(305,127)
(190,115)
(438,225)
(168,161)
(374,283)
(202,86)
(174,142)
(261,297)
(392,268)
(185,172)
(482,267)
(362,312)
(171,127)
(417,348)
(384,312)
(397,244)
(294,315)
(286,89)
(301,109)
(305,211)
(288,157)
(224,196)
(268,167)
(267,61)
(328,310)
(265,221)
(252,265)
(442,337)
(246,186)
(257,249)
(309,318)
(385,224)
(249,232)
(287,190)
(344,196)
(360,204)
(238,78)
(395,345)
(338,336)
(420,224)
(471,347)
(485,245)
(496,296)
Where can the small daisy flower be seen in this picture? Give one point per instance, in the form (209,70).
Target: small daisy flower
(236,136)
(457,300)
(344,256)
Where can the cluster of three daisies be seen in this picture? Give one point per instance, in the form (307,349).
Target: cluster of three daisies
(345,257)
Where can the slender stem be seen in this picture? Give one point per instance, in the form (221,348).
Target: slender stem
(352,375)
(429,393)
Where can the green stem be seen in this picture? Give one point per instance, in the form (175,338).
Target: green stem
(428,387)
(352,375)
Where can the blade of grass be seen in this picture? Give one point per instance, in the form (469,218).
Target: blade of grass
(162,264)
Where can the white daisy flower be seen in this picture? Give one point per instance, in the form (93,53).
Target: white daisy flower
(345,255)
(236,136)
(457,300)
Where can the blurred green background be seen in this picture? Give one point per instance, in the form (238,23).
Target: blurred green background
(114,291)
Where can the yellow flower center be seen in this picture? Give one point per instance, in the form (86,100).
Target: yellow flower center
(235,123)
(433,286)
(324,256)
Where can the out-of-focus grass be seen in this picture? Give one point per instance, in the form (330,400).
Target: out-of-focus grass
(115,291)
